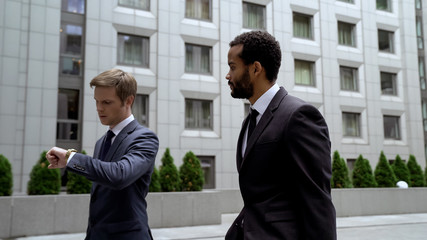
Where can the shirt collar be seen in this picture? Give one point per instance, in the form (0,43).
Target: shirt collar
(262,103)
(119,127)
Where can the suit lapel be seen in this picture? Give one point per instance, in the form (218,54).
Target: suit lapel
(262,124)
(239,157)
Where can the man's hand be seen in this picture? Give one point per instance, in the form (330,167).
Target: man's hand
(56,158)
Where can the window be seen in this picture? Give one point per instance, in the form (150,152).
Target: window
(208,166)
(384,5)
(386,41)
(198,9)
(351,124)
(67,114)
(391,127)
(133,50)
(302,26)
(71,49)
(349,77)
(388,83)
(347,1)
(140,109)
(420,39)
(304,73)
(424,108)
(73,6)
(421,72)
(140,4)
(197,59)
(350,164)
(198,114)
(346,35)
(247,106)
(418,7)
(253,16)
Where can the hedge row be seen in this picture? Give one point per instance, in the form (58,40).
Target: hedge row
(168,178)
(385,175)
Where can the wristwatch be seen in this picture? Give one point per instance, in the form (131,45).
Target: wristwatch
(69,151)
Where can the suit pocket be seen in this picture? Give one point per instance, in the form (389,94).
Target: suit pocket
(277,216)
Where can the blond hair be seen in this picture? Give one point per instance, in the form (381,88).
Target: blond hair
(124,83)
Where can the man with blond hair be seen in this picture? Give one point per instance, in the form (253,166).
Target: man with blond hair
(121,166)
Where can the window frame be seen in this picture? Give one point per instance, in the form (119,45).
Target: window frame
(144,57)
(355,80)
(197,69)
(388,5)
(345,125)
(309,22)
(197,124)
(396,125)
(344,41)
(391,41)
(209,19)
(145,98)
(245,13)
(393,83)
(312,81)
(133,5)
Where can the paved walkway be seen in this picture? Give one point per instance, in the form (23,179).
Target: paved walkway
(386,227)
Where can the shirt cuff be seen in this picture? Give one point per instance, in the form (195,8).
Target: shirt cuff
(71,156)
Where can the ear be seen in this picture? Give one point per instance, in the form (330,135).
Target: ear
(129,100)
(257,67)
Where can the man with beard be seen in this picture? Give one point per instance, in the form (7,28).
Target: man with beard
(283,151)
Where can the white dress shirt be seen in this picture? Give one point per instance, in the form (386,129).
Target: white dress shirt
(260,105)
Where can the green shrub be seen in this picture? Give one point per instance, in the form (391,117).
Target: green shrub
(400,170)
(362,174)
(43,180)
(340,177)
(191,173)
(6,178)
(155,181)
(384,175)
(78,184)
(169,175)
(415,172)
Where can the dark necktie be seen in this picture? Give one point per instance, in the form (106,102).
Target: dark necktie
(252,121)
(106,145)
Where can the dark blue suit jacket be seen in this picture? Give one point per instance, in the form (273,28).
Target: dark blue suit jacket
(120,184)
(284,175)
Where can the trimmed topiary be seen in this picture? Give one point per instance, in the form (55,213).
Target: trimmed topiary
(415,172)
(362,174)
(155,181)
(43,180)
(169,175)
(384,175)
(340,177)
(78,184)
(400,170)
(191,173)
(6,178)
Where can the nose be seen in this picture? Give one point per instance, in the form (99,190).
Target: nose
(227,76)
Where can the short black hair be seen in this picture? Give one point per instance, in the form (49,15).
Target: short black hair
(262,47)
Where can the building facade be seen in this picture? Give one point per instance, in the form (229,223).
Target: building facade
(357,61)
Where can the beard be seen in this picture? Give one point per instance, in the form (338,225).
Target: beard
(242,87)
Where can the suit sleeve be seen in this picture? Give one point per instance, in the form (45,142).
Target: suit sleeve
(137,160)
(310,150)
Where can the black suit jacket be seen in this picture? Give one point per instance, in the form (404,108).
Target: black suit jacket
(284,175)
(120,183)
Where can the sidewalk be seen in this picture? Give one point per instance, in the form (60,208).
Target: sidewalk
(385,227)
